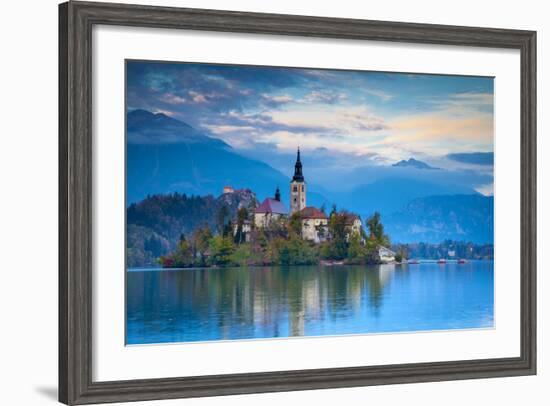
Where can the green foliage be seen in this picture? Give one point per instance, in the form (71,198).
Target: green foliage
(356,250)
(338,232)
(277,228)
(221,250)
(182,257)
(280,243)
(242,215)
(201,243)
(295,225)
(296,251)
(242,255)
(169,215)
(376,230)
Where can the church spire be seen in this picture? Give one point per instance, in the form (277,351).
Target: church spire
(278,194)
(298,176)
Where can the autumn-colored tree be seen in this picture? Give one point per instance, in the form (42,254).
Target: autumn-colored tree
(201,243)
(376,229)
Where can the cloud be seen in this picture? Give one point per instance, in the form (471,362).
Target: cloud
(350,113)
(380,94)
(325,97)
(464,103)
(442,127)
(472,99)
(172,98)
(275,100)
(476,158)
(197,97)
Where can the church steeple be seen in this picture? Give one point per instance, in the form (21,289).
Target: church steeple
(278,194)
(297,187)
(298,175)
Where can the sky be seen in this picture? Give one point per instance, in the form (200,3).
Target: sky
(341,120)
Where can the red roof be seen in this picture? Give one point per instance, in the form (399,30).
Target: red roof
(312,213)
(271,206)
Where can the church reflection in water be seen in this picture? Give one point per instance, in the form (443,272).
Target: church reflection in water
(240,303)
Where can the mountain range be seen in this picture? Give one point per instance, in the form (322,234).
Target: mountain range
(413,163)
(165,155)
(434,219)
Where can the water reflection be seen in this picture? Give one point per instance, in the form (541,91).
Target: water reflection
(236,303)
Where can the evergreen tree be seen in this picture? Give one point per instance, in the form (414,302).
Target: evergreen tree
(242,215)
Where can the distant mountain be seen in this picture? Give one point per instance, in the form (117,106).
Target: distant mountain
(165,155)
(413,163)
(391,194)
(144,127)
(436,218)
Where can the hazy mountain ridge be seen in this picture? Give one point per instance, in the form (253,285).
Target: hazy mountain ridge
(165,155)
(170,159)
(436,218)
(391,194)
(414,163)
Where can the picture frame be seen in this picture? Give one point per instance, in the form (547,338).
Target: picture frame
(76,352)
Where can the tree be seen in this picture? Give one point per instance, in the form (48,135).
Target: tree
(182,257)
(201,242)
(337,229)
(242,255)
(222,219)
(295,225)
(242,215)
(296,251)
(398,257)
(376,229)
(221,249)
(356,251)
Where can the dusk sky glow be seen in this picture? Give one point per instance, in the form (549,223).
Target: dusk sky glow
(348,119)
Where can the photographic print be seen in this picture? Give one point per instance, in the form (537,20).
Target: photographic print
(277,202)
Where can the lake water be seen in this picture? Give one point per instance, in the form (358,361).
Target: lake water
(239,303)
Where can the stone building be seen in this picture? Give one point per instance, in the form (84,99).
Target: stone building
(270,210)
(314,224)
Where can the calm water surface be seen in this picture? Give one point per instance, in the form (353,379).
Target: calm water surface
(238,303)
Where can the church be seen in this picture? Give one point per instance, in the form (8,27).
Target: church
(314,221)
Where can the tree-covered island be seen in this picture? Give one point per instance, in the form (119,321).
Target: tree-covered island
(269,234)
(279,243)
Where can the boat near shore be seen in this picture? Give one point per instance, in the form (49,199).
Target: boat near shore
(462,261)
(442,261)
(328,262)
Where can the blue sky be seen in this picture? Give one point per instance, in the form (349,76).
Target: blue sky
(342,120)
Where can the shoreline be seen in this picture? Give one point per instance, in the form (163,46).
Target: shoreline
(335,264)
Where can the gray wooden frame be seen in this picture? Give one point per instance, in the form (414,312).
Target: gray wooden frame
(76,20)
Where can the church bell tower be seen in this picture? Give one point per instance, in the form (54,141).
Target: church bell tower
(297,188)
